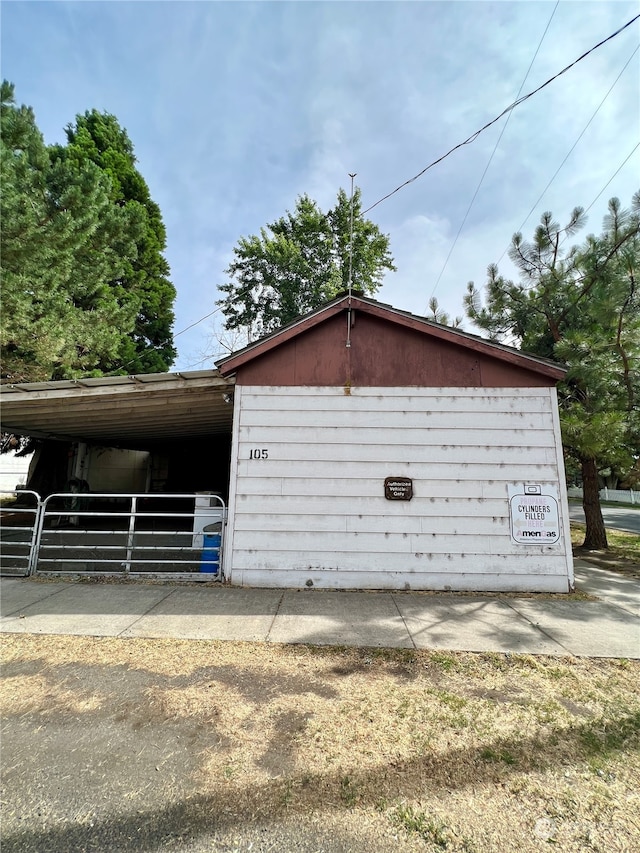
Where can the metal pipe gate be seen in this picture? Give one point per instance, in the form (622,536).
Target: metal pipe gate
(19,519)
(177,536)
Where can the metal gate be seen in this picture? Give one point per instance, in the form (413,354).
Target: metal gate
(19,519)
(177,536)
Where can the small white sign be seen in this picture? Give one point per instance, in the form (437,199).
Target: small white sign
(533,514)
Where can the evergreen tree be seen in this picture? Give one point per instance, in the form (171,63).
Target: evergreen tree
(98,138)
(581,307)
(84,283)
(65,248)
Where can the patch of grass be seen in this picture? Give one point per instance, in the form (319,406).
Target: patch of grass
(451,700)
(443,661)
(621,545)
(625,544)
(431,829)
(546,712)
(558,672)
(348,791)
(498,755)
(426,750)
(499,662)
(604,737)
(287,792)
(406,656)
(428,828)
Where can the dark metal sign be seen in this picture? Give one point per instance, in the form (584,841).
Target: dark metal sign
(398,489)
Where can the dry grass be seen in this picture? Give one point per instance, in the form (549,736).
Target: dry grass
(625,545)
(436,751)
(623,555)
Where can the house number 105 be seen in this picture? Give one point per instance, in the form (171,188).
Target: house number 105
(259,453)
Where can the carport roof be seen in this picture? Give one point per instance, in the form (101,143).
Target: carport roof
(121,411)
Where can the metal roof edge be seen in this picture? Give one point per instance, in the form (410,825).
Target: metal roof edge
(229,364)
(97,382)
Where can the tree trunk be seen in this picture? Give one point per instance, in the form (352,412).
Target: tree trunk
(596,536)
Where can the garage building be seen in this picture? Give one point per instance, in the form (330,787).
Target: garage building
(374,449)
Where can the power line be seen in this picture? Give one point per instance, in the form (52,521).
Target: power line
(587,209)
(467,141)
(181,332)
(624,162)
(516,103)
(570,151)
(219,308)
(197,322)
(495,148)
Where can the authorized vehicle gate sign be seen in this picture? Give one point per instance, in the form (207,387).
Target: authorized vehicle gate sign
(533,514)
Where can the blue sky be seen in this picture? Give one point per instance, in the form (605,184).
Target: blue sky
(236,108)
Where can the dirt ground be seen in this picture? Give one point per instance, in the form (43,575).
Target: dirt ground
(166,745)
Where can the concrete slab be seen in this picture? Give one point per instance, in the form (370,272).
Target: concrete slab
(584,628)
(606,628)
(339,618)
(614,588)
(18,593)
(92,610)
(471,625)
(211,614)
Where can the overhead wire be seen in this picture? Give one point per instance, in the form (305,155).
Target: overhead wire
(495,148)
(467,141)
(181,332)
(620,167)
(508,109)
(582,278)
(570,151)
(587,209)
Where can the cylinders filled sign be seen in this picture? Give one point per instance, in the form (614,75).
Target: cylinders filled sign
(533,514)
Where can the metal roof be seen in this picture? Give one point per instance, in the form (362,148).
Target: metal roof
(126,411)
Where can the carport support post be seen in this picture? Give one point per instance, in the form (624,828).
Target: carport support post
(131,533)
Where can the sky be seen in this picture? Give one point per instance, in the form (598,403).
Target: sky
(237,108)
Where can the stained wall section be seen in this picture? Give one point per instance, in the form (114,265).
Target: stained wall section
(307,504)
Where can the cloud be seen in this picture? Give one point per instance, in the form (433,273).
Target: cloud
(234,109)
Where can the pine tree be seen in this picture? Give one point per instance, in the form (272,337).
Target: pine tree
(64,249)
(98,138)
(581,307)
(84,281)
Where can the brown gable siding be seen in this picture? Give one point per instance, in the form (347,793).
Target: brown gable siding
(382,353)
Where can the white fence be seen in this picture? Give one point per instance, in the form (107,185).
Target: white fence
(613,495)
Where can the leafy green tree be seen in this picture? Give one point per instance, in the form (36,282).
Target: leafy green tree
(64,251)
(300,261)
(148,348)
(582,307)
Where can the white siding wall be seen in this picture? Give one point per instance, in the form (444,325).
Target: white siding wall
(13,470)
(314,511)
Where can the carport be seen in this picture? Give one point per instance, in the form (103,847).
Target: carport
(184,420)
(137,412)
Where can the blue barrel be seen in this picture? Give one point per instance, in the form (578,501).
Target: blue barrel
(210,559)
